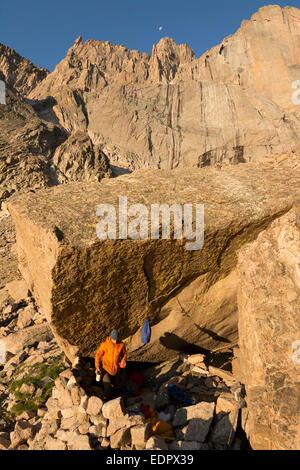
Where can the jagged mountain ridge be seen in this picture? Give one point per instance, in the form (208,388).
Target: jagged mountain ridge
(19,73)
(170,109)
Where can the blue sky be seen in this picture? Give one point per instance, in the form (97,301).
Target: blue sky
(43,31)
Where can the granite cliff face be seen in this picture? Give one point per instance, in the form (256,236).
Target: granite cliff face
(263,55)
(233,104)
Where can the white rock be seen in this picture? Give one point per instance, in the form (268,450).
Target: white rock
(113,408)
(156,443)
(202,410)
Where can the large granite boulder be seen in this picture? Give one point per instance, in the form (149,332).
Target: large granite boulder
(269,333)
(87,286)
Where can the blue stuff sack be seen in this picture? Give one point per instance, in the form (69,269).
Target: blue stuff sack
(177,395)
(146,332)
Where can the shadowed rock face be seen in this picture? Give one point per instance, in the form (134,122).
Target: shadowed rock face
(77,159)
(35,153)
(269,333)
(26,146)
(233,104)
(88,286)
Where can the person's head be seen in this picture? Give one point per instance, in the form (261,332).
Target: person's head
(114,336)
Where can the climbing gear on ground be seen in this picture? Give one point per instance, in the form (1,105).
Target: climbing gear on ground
(177,395)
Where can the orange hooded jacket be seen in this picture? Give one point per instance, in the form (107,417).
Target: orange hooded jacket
(111,355)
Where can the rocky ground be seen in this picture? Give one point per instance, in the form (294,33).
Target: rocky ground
(43,392)
(48,403)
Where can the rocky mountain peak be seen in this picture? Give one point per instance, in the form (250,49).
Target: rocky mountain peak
(270,12)
(225,107)
(19,73)
(167,56)
(78,40)
(169,48)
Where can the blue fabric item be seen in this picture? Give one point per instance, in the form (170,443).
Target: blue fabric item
(176,394)
(126,391)
(132,386)
(134,413)
(146,332)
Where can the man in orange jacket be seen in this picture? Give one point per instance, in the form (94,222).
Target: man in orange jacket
(110,356)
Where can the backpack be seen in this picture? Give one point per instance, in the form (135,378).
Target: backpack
(146,332)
